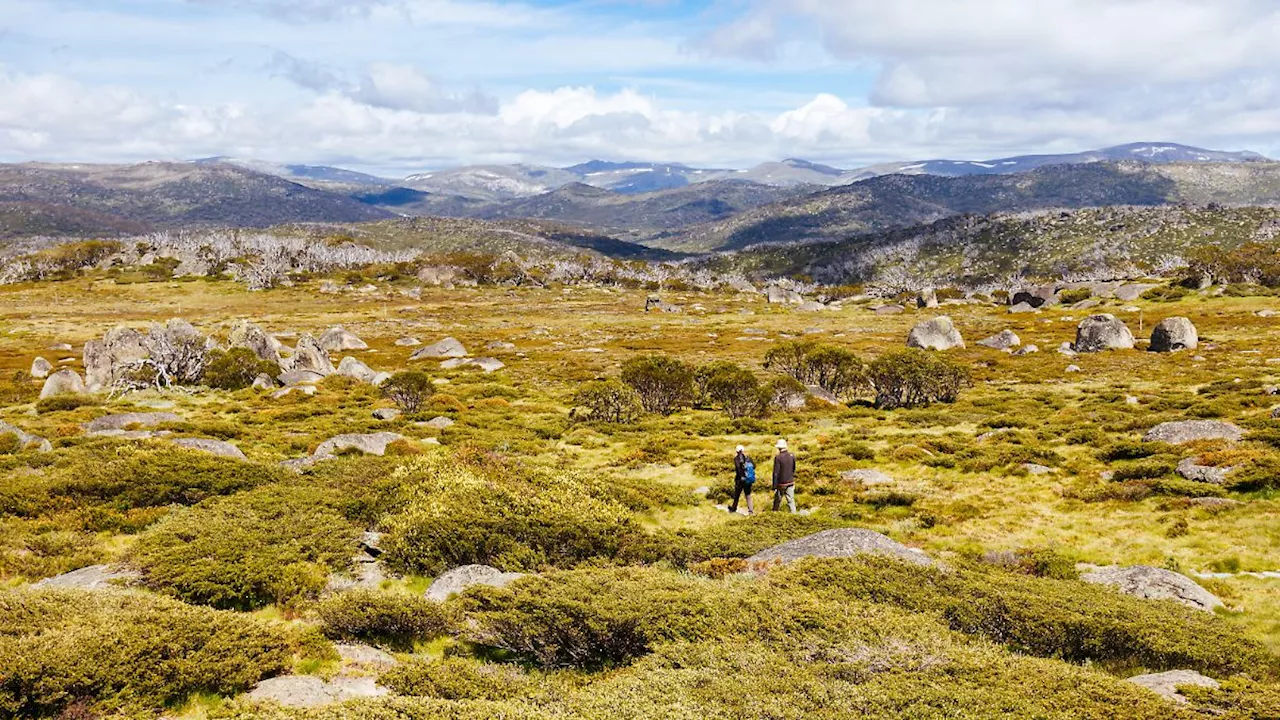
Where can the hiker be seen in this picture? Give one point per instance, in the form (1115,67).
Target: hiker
(744,479)
(784,477)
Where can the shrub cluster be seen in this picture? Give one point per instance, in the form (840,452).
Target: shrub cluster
(125,652)
(274,544)
(830,367)
(663,384)
(610,401)
(911,378)
(388,618)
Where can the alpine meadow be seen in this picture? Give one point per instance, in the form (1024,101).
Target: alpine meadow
(475,359)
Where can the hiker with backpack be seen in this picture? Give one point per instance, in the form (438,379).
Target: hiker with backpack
(744,479)
(784,478)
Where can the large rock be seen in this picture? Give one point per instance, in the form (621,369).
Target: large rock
(370,444)
(309,355)
(245,334)
(1003,340)
(927,298)
(1166,684)
(1154,584)
(40,368)
(103,358)
(782,296)
(26,441)
(127,421)
(460,578)
(1102,332)
(63,382)
(1195,472)
(484,364)
(1185,431)
(446,348)
(1173,334)
(935,334)
(1133,291)
(294,378)
(839,543)
(94,577)
(221,448)
(338,339)
(356,370)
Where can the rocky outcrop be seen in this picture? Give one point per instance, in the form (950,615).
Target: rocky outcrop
(935,334)
(309,355)
(1154,584)
(1195,472)
(103,358)
(245,334)
(1185,431)
(305,691)
(446,348)
(356,370)
(26,441)
(1035,296)
(1132,291)
(369,444)
(63,382)
(1174,334)
(839,543)
(1166,684)
(339,339)
(1102,332)
(459,579)
(782,296)
(1003,340)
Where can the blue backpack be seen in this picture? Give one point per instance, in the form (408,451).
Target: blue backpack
(749,473)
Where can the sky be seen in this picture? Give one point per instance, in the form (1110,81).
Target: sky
(396,87)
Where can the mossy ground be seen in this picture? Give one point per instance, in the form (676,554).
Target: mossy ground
(954,494)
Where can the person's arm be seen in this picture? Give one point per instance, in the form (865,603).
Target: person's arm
(777,469)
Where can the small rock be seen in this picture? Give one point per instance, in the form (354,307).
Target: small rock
(1174,334)
(26,440)
(937,333)
(1002,340)
(300,377)
(843,542)
(866,477)
(61,347)
(438,423)
(889,310)
(1166,684)
(357,370)
(1131,292)
(221,448)
(264,382)
(460,578)
(386,414)
(124,421)
(338,339)
(1102,332)
(306,691)
(94,577)
(1190,470)
(1073,369)
(408,342)
(927,298)
(1028,350)
(500,346)
(1035,469)
(369,444)
(303,389)
(364,655)
(1022,308)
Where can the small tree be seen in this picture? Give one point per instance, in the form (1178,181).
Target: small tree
(830,367)
(609,401)
(789,358)
(787,393)
(913,377)
(664,384)
(236,369)
(409,390)
(738,392)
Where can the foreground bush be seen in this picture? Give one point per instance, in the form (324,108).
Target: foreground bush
(664,384)
(125,652)
(374,616)
(457,511)
(274,544)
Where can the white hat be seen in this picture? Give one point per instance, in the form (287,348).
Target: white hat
(782,444)
(741,449)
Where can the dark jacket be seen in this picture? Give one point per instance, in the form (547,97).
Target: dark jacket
(784,469)
(740,467)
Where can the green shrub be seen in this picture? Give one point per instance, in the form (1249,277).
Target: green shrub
(911,378)
(236,369)
(126,652)
(832,368)
(389,618)
(785,393)
(737,391)
(63,403)
(609,401)
(1142,471)
(1166,293)
(455,511)
(409,390)
(275,544)
(1131,451)
(664,384)
(459,679)
(1074,295)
